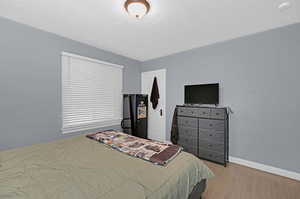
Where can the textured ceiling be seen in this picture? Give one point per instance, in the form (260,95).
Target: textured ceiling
(171,26)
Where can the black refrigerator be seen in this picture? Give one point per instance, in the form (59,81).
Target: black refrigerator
(135,115)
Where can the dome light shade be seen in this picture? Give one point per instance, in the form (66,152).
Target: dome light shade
(137,8)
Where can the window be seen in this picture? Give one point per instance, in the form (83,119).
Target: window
(91,93)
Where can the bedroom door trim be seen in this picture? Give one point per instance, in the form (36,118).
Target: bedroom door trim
(157,117)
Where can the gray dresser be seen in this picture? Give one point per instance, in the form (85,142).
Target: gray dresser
(203,131)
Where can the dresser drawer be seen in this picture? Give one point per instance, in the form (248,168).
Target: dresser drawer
(210,155)
(211,124)
(218,113)
(185,141)
(212,146)
(187,132)
(192,150)
(187,121)
(203,112)
(186,111)
(189,145)
(189,148)
(211,135)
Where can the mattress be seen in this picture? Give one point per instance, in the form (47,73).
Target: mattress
(80,168)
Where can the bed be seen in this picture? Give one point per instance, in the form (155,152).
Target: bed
(80,168)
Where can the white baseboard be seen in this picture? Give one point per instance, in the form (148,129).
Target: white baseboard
(266,168)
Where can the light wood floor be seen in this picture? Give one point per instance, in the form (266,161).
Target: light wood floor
(239,182)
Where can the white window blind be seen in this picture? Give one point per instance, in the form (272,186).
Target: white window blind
(91,93)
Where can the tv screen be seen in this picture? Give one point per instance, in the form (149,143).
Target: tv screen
(201,94)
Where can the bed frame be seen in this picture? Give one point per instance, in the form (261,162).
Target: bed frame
(198,190)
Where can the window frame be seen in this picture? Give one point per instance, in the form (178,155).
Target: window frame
(86,127)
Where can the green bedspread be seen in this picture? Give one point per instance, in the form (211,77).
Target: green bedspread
(80,168)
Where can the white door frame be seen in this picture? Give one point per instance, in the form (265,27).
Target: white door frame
(162,104)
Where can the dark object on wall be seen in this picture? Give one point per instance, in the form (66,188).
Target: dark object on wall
(154,94)
(135,115)
(201,94)
(203,131)
(174,130)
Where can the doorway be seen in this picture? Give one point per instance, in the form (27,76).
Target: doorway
(157,117)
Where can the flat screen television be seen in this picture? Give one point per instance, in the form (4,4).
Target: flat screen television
(201,94)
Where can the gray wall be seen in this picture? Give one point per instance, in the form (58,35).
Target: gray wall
(30,82)
(259,77)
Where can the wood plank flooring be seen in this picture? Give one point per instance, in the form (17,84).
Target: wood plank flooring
(239,182)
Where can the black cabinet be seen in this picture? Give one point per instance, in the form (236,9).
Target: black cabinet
(203,131)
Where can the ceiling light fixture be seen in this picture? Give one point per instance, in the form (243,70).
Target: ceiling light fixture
(284,5)
(137,8)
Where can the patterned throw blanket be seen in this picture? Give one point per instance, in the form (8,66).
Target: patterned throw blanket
(150,150)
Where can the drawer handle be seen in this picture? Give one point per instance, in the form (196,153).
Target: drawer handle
(217,113)
(192,112)
(210,125)
(203,112)
(210,134)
